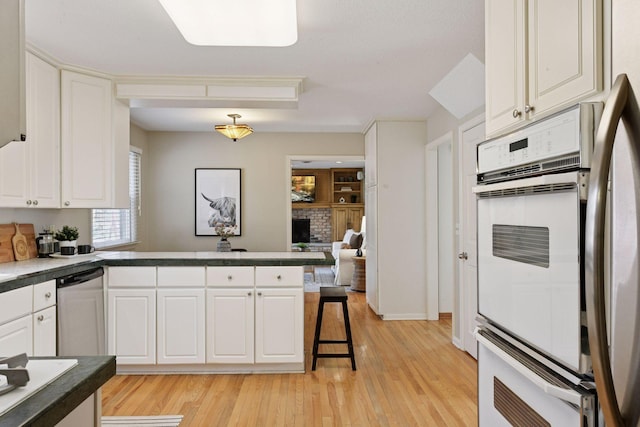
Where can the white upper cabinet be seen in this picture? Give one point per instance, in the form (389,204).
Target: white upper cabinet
(87,143)
(541,56)
(30,170)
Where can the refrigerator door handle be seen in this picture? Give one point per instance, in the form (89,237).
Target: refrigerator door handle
(619,105)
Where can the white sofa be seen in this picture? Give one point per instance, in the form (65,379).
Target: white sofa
(343,267)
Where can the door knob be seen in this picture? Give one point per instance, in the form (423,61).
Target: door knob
(463,255)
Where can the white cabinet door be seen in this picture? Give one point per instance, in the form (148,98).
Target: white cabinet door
(43,132)
(30,170)
(181,325)
(505,63)
(279,325)
(132,326)
(17,337)
(86,144)
(565,58)
(44,332)
(540,56)
(230,325)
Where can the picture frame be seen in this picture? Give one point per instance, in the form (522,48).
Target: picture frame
(303,188)
(218,201)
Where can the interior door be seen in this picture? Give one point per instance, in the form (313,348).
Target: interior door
(471,134)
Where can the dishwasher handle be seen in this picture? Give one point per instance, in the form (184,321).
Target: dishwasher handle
(75,279)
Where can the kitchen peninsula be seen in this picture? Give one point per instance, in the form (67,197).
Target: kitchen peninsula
(171,312)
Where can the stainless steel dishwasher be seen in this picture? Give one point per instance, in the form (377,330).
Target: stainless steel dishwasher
(81,321)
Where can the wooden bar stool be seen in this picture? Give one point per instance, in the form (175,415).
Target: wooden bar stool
(333,294)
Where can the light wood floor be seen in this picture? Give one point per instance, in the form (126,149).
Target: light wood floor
(409,374)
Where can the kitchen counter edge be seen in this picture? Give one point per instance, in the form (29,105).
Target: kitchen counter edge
(176,260)
(51,404)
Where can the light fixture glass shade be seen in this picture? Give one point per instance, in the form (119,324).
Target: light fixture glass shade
(235,23)
(363,224)
(234,131)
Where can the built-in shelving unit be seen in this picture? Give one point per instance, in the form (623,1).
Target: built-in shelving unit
(346,186)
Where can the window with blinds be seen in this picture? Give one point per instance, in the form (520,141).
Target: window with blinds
(113,227)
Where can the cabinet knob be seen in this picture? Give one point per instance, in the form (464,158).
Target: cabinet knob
(463,255)
(229,277)
(28,202)
(516,113)
(528,108)
(259,294)
(249,293)
(35,203)
(279,277)
(40,318)
(47,295)
(67,203)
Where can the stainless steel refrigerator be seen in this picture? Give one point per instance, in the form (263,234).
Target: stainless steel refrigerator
(614,311)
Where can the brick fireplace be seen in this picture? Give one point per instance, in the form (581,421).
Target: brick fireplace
(320,223)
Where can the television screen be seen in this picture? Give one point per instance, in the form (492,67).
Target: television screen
(303,188)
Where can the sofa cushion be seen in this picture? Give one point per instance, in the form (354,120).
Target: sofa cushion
(355,241)
(347,235)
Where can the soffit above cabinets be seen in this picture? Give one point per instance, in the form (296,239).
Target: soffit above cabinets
(210,92)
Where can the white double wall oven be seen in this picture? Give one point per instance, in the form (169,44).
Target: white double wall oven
(534,364)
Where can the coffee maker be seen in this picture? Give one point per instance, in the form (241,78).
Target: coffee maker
(45,244)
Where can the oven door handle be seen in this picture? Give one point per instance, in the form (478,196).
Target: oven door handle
(619,105)
(564,394)
(560,178)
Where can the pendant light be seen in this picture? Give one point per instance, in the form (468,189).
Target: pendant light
(234,131)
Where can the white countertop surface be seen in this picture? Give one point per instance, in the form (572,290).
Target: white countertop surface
(12,270)
(212,255)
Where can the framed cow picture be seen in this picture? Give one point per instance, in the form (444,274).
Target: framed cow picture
(217,202)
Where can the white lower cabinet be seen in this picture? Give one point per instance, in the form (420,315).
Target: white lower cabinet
(280,325)
(17,337)
(28,320)
(207,319)
(230,325)
(181,326)
(44,332)
(131,328)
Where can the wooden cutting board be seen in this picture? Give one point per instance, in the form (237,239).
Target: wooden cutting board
(7,231)
(19,242)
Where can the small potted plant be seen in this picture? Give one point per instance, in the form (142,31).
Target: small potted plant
(304,247)
(68,236)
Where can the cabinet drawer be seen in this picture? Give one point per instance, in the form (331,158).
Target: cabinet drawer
(44,295)
(181,276)
(16,303)
(279,276)
(132,277)
(230,276)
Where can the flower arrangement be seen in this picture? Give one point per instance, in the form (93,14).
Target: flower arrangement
(224,230)
(66,234)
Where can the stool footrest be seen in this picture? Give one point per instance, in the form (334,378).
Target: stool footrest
(333,342)
(333,355)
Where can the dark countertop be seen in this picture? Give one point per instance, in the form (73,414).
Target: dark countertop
(51,404)
(39,270)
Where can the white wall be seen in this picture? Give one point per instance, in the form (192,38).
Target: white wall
(401,233)
(439,123)
(168,184)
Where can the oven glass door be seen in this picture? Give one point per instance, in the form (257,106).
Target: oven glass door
(529,269)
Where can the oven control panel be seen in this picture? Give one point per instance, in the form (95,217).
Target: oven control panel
(557,136)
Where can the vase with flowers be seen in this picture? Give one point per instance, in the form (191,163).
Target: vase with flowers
(224,231)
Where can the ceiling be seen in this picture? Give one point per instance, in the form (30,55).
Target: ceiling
(360,60)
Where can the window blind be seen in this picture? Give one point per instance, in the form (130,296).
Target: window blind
(112,227)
